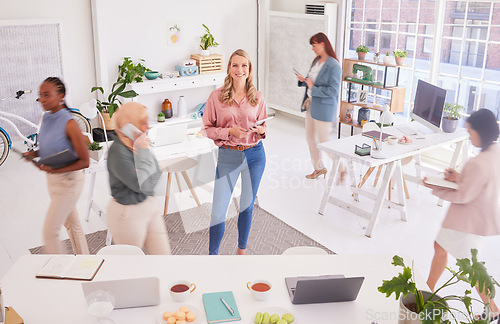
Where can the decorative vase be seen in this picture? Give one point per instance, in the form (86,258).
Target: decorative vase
(205,52)
(387,60)
(107,121)
(400,60)
(408,316)
(361,55)
(96,155)
(181,107)
(449,125)
(166,108)
(348,114)
(363,114)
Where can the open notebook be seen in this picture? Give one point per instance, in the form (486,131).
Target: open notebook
(440,182)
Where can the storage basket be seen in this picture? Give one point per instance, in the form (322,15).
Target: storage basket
(208,64)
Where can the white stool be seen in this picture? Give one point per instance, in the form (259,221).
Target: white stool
(176,165)
(120,249)
(304,250)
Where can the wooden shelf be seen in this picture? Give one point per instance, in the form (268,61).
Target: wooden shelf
(390,88)
(180,83)
(374,63)
(368,105)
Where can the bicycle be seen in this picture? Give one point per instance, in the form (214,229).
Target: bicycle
(30,140)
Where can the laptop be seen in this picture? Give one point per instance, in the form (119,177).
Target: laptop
(168,134)
(128,293)
(323,289)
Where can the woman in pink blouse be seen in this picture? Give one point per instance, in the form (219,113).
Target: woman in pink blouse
(228,119)
(475,206)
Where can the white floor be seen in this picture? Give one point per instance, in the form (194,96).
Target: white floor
(284,192)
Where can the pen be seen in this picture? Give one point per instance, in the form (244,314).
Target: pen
(227,306)
(375,141)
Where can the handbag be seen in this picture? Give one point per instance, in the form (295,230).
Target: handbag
(306,104)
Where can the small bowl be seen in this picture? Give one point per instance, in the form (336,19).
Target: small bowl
(151,75)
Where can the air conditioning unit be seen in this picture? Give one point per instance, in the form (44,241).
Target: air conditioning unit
(320,8)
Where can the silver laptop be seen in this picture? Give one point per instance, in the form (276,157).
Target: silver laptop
(168,134)
(323,289)
(128,293)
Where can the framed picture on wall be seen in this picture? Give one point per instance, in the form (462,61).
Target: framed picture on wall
(174,33)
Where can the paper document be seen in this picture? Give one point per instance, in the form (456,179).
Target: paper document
(440,182)
(77,267)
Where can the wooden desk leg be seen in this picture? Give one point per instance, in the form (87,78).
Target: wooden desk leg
(407,193)
(91,195)
(178,181)
(167,194)
(350,167)
(190,186)
(379,170)
(401,196)
(366,176)
(329,184)
(379,202)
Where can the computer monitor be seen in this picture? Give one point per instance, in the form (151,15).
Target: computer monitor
(429,104)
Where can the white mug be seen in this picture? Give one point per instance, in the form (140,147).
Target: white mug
(180,290)
(259,290)
(392,140)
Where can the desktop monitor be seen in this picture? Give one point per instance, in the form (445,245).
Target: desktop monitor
(429,104)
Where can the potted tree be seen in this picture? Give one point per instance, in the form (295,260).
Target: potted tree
(207,41)
(362,50)
(451,116)
(417,306)
(95,151)
(400,56)
(128,72)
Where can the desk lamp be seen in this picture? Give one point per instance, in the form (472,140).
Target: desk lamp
(385,118)
(89,110)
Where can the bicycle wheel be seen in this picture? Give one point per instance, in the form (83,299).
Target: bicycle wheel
(82,122)
(4,147)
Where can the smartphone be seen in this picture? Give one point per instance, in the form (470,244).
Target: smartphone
(131,131)
(260,122)
(296,72)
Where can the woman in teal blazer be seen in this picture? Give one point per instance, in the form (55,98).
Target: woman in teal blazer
(321,99)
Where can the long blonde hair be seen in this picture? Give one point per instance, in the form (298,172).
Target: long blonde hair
(227,94)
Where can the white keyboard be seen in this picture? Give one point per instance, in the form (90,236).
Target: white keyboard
(407,130)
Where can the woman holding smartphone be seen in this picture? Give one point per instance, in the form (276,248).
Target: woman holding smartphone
(60,132)
(133,216)
(475,206)
(320,99)
(230,114)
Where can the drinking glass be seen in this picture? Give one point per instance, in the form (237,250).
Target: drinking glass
(100,304)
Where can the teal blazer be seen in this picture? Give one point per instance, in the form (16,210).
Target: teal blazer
(325,92)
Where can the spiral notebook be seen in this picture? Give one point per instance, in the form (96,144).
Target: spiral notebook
(215,309)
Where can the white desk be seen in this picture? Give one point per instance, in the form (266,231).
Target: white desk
(344,148)
(62,301)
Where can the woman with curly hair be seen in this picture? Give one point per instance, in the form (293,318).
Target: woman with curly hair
(228,120)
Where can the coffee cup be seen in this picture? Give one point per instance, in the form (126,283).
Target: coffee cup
(260,289)
(180,290)
(392,140)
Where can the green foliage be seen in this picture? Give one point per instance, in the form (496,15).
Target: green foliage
(128,72)
(400,53)
(453,110)
(94,146)
(161,114)
(471,271)
(362,48)
(207,40)
(387,53)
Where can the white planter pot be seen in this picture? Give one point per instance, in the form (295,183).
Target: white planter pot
(205,52)
(407,316)
(387,60)
(96,155)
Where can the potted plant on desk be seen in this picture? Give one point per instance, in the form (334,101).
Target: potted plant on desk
(207,41)
(362,50)
(95,151)
(128,72)
(400,55)
(451,116)
(417,306)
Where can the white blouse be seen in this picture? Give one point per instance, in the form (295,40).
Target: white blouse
(313,74)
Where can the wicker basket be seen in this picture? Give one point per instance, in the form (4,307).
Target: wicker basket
(208,64)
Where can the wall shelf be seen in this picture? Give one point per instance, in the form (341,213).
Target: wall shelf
(180,83)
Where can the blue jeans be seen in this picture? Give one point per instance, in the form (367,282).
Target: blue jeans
(250,164)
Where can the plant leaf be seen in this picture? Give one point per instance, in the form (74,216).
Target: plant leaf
(97,88)
(401,284)
(398,261)
(128,94)
(477,274)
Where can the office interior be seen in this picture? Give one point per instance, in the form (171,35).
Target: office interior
(465,64)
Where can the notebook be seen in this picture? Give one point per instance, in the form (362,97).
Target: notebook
(77,267)
(128,293)
(215,309)
(440,182)
(323,289)
(376,134)
(168,134)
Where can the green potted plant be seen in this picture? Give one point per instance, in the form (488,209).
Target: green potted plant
(161,117)
(451,116)
(362,50)
(128,72)
(417,306)
(400,56)
(207,41)
(387,58)
(95,151)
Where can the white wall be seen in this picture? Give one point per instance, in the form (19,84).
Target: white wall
(76,37)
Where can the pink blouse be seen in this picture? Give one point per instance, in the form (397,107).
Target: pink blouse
(219,117)
(475,205)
